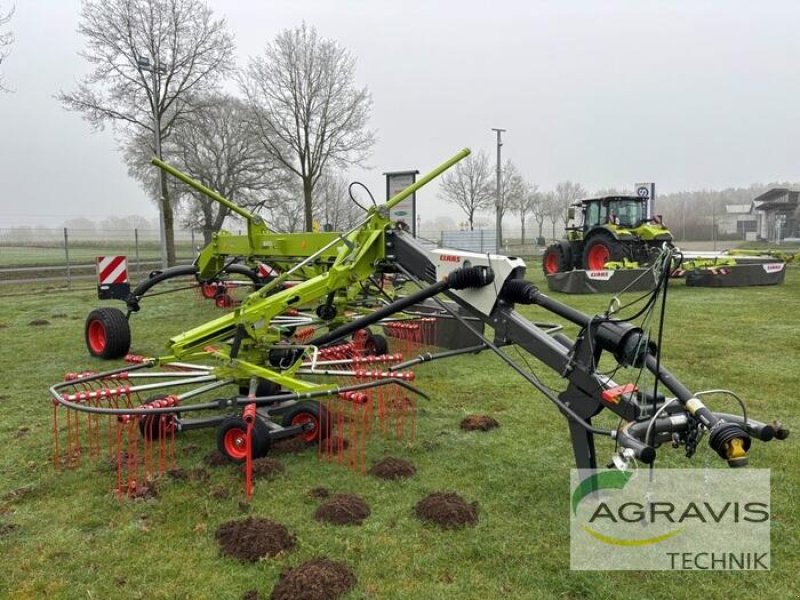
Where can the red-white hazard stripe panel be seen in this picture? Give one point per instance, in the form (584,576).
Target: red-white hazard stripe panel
(265,271)
(112,269)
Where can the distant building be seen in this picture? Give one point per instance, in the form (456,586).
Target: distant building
(738,219)
(777,214)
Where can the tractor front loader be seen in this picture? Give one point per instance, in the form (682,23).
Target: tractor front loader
(244,349)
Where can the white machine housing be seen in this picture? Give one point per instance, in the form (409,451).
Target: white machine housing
(483,299)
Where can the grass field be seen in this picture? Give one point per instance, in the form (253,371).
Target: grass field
(65,534)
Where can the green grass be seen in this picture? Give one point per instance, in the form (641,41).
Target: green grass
(74,539)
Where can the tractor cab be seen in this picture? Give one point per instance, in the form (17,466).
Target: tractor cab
(628,212)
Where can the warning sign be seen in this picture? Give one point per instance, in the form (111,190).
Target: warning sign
(112,277)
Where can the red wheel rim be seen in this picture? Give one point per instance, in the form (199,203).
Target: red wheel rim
(224,301)
(598,257)
(96,335)
(551,263)
(209,290)
(303,418)
(235,443)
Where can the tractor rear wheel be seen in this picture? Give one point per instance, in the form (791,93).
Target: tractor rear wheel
(600,250)
(557,259)
(107,333)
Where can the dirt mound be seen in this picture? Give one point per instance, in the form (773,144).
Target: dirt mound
(447,509)
(199,474)
(178,474)
(220,493)
(316,579)
(335,444)
(253,538)
(343,509)
(250,595)
(39,322)
(393,468)
(289,446)
(478,423)
(319,493)
(266,468)
(216,459)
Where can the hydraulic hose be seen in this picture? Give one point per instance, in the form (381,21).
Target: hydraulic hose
(465,277)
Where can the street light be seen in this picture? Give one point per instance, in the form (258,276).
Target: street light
(143,64)
(498,200)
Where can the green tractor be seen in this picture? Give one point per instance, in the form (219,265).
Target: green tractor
(614,229)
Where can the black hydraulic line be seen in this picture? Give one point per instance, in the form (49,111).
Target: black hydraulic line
(133,298)
(625,341)
(379,314)
(458,279)
(428,356)
(180,271)
(665,284)
(509,361)
(668,379)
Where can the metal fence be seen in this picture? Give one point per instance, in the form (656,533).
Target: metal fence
(64,256)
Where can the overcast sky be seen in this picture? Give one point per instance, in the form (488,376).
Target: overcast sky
(690,94)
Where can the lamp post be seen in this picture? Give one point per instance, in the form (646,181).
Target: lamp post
(498,199)
(143,64)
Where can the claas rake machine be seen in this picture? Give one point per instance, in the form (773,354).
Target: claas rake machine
(244,375)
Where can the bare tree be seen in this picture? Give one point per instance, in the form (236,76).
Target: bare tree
(566,193)
(149,57)
(307,108)
(6,39)
(468,186)
(334,207)
(552,210)
(512,190)
(284,208)
(603,192)
(526,204)
(219,149)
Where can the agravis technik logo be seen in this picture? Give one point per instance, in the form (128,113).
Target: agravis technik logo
(611,480)
(668,519)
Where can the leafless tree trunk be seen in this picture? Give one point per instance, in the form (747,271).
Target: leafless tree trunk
(512,190)
(468,186)
(566,193)
(307,108)
(285,207)
(148,58)
(526,204)
(552,210)
(6,39)
(334,207)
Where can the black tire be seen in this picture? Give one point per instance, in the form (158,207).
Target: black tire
(264,388)
(310,411)
(107,333)
(231,439)
(557,258)
(600,250)
(376,345)
(151,426)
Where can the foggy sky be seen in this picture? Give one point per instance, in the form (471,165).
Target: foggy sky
(690,94)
